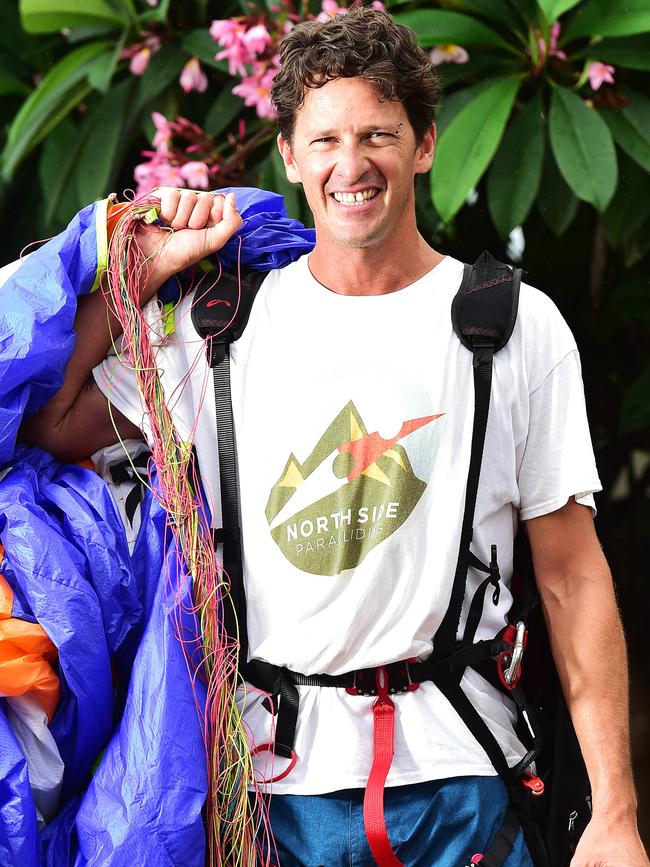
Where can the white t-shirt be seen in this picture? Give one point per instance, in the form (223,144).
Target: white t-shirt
(353,420)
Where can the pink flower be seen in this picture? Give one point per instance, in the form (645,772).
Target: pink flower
(448,54)
(163,133)
(600,73)
(229,33)
(377,4)
(193,77)
(255,90)
(157,173)
(196,175)
(140,61)
(257,38)
(226,31)
(553,50)
(330,8)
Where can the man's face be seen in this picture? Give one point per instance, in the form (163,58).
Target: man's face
(356,157)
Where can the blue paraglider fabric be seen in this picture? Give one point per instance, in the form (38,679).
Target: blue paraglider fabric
(127,724)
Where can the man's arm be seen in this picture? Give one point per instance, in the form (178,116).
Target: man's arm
(588,645)
(77,420)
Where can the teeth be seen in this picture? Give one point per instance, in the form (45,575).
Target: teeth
(355,198)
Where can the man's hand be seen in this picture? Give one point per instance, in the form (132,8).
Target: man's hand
(201,222)
(610,842)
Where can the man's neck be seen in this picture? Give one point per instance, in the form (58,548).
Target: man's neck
(371,271)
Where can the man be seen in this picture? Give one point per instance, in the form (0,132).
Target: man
(348,559)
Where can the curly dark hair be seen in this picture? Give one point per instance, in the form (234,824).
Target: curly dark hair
(367,43)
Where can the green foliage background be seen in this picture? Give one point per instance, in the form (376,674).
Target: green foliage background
(522,141)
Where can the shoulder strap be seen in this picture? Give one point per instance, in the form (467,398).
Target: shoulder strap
(221,313)
(483,314)
(485,307)
(220,316)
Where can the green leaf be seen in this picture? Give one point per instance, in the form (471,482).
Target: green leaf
(468,144)
(631,51)
(552,9)
(56,168)
(495,10)
(515,174)
(482,66)
(164,67)
(199,43)
(451,105)
(635,411)
(440,27)
(157,15)
(630,207)
(10,84)
(224,110)
(631,127)
(555,202)
(609,18)
(583,148)
(59,92)
(103,145)
(48,16)
(103,69)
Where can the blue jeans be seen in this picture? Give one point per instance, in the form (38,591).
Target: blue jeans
(436,824)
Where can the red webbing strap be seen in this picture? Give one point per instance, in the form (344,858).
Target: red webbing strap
(383,712)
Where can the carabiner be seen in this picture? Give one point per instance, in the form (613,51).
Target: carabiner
(512,672)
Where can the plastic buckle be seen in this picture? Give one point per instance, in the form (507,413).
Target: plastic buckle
(534,784)
(398,679)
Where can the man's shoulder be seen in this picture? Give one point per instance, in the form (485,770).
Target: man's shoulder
(539,317)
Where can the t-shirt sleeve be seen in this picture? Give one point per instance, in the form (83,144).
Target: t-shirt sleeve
(558,459)
(118,382)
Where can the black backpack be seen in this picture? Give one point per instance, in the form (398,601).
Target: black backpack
(553,805)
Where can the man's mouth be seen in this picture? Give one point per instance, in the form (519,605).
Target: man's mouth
(357,198)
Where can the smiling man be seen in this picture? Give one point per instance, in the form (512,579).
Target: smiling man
(353,402)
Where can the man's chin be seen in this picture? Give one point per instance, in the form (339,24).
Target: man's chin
(356,240)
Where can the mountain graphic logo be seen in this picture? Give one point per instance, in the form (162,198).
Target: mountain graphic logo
(351,493)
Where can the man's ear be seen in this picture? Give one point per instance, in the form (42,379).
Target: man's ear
(290,166)
(425,151)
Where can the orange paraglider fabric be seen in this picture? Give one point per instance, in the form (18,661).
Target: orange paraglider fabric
(27,656)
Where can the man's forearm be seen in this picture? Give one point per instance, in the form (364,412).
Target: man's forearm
(589,650)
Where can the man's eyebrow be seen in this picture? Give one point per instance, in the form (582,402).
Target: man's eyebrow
(396,128)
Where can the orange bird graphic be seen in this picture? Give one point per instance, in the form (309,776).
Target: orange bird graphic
(368,448)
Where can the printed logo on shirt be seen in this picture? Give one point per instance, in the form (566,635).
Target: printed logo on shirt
(324,530)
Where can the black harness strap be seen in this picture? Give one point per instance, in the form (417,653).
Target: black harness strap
(229,534)
(503,843)
(220,316)
(483,322)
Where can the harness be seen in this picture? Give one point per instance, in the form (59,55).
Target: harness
(484,313)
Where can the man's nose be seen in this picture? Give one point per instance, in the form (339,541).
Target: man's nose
(352,163)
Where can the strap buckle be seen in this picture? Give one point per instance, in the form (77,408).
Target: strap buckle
(509,662)
(396,676)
